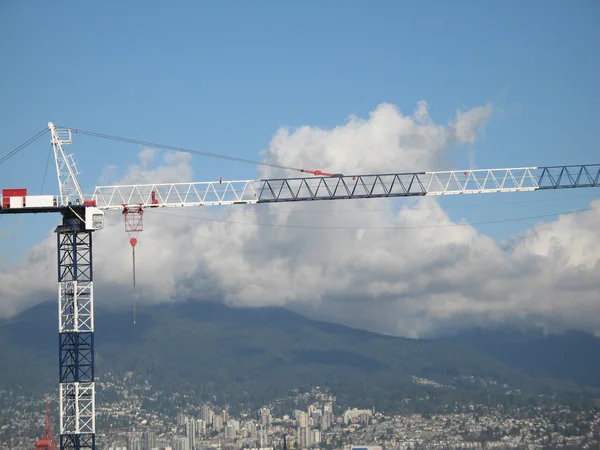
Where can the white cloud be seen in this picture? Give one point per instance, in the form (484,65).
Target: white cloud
(411,282)
(467,125)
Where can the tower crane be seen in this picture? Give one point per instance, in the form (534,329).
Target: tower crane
(82,217)
(47,442)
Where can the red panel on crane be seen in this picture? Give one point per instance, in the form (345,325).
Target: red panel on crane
(8,193)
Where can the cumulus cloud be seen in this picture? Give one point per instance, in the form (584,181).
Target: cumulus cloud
(386,139)
(468,124)
(412,281)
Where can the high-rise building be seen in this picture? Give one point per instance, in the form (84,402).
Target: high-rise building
(304,437)
(326,421)
(251,427)
(217,422)
(190,434)
(265,417)
(148,440)
(264,439)
(301,419)
(230,432)
(133,441)
(315,437)
(206,414)
(364,418)
(181,443)
(200,428)
(225,415)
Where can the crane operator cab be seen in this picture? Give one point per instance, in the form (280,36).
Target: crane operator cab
(94,218)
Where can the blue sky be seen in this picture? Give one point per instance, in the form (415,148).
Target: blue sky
(223,77)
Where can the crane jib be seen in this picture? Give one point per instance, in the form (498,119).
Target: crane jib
(347,187)
(344,187)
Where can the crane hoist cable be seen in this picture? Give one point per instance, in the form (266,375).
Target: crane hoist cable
(133,225)
(133,242)
(365,228)
(46,170)
(316,172)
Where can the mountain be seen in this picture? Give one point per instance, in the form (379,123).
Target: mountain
(571,355)
(249,356)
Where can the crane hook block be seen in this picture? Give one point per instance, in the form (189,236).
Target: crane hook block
(133,242)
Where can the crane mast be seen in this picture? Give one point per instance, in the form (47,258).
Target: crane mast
(76,331)
(75,302)
(75,312)
(81,218)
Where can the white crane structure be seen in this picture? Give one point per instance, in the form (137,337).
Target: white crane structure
(81,217)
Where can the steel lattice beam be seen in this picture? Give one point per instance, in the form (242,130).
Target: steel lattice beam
(76,333)
(66,169)
(348,187)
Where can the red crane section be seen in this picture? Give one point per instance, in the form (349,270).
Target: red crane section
(47,442)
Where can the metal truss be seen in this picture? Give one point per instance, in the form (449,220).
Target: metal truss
(348,187)
(562,177)
(78,441)
(133,219)
(76,334)
(77,412)
(177,194)
(70,191)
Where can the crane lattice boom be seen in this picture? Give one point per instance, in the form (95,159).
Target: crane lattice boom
(347,187)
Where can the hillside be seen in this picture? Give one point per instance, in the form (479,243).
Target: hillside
(248,356)
(571,355)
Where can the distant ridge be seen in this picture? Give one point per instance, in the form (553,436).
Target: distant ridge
(572,355)
(251,355)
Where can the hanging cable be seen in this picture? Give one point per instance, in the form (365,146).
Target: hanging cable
(294,209)
(22,146)
(46,170)
(133,241)
(317,227)
(196,152)
(134,223)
